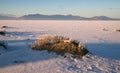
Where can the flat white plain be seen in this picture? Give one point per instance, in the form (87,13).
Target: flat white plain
(100,37)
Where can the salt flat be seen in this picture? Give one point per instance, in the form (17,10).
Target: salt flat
(101,38)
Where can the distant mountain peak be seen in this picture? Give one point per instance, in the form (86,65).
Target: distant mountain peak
(54,17)
(102,18)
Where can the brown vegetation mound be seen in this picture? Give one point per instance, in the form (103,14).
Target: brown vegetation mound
(60,45)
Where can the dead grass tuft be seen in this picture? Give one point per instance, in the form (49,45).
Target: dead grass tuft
(60,45)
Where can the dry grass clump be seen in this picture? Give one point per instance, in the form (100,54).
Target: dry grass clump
(3,44)
(2,33)
(60,45)
(3,26)
(117,30)
(104,29)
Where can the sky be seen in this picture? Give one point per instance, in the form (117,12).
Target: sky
(85,8)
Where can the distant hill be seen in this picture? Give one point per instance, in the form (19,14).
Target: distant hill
(103,18)
(51,17)
(5,17)
(54,17)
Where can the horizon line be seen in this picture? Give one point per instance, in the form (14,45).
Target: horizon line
(11,15)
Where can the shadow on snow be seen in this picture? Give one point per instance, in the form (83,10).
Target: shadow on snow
(19,52)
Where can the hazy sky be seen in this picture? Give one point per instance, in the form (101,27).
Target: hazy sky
(86,8)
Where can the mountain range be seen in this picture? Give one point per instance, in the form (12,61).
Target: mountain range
(54,17)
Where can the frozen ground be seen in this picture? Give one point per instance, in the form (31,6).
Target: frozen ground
(100,37)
